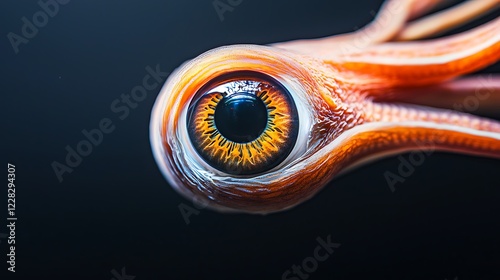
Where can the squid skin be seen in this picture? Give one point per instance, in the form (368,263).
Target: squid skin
(346,106)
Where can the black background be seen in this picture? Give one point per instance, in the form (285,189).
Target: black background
(116,210)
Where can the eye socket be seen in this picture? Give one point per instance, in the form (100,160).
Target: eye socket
(243,123)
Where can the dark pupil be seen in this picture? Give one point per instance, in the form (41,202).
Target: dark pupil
(241,117)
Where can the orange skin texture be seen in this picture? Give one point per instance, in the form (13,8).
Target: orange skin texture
(345,93)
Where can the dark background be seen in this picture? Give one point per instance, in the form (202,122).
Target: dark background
(116,210)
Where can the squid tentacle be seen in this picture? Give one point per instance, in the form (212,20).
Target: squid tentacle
(446,20)
(478,94)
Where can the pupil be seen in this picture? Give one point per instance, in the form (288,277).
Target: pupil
(241,117)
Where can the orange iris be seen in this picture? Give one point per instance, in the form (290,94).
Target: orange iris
(243,123)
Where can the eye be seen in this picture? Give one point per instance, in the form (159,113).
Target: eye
(243,123)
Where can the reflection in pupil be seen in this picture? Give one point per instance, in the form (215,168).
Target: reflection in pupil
(241,117)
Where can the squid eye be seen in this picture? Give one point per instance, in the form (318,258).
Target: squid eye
(243,123)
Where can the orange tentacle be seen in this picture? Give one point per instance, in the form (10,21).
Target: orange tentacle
(384,112)
(476,94)
(387,138)
(423,63)
(447,19)
(391,18)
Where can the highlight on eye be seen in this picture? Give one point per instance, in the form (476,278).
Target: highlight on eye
(243,123)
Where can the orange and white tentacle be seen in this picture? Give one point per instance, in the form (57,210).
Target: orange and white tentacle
(402,70)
